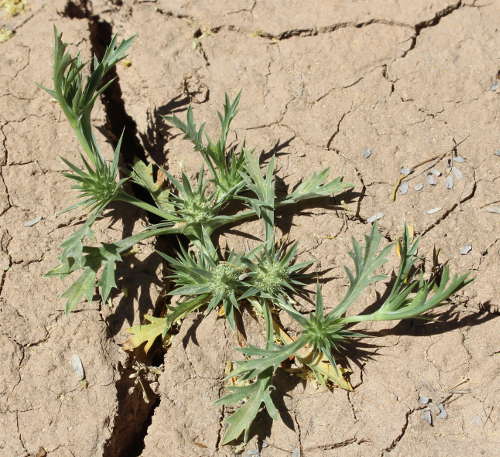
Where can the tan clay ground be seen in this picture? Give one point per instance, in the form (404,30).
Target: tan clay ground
(410,79)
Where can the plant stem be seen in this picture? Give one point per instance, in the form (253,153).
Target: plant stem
(124,197)
(127,243)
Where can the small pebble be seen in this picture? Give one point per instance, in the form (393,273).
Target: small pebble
(464,250)
(296,452)
(497,152)
(419,187)
(449,182)
(494,86)
(456,171)
(367,153)
(33,222)
(458,159)
(431,179)
(403,188)
(405,171)
(76,364)
(423,400)
(435,172)
(433,210)
(427,416)
(375,217)
(442,412)
(265,444)
(493,209)
(253,453)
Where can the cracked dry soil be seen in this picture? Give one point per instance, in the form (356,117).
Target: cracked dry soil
(415,81)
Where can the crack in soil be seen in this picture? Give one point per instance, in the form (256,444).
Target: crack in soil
(315,31)
(400,435)
(133,416)
(222,415)
(331,446)
(450,9)
(337,129)
(453,207)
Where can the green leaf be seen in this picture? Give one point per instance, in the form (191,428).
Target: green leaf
(82,288)
(411,297)
(318,186)
(366,261)
(108,256)
(267,358)
(255,395)
(263,188)
(142,174)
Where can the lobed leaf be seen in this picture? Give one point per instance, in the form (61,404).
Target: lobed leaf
(254,395)
(146,333)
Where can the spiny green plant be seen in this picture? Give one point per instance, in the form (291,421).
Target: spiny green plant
(195,211)
(323,335)
(267,279)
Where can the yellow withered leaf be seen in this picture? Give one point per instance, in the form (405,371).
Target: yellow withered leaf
(145,333)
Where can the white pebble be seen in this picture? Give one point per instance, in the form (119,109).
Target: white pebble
(449,182)
(77,365)
(33,222)
(433,210)
(419,187)
(296,452)
(497,152)
(431,179)
(435,172)
(456,171)
(458,159)
(423,400)
(464,250)
(403,188)
(493,209)
(375,217)
(494,86)
(427,416)
(405,171)
(442,412)
(367,153)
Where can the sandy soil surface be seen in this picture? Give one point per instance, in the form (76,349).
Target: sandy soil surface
(413,81)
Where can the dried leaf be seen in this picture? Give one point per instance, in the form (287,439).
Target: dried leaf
(146,333)
(5,34)
(33,222)
(375,217)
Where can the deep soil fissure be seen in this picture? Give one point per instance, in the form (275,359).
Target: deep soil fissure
(134,414)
